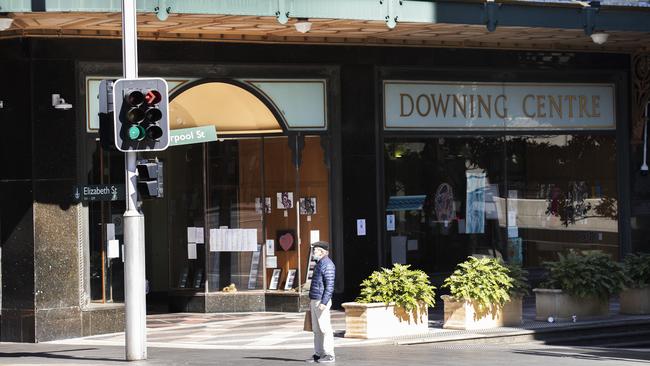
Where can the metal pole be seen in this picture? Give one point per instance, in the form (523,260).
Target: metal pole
(134,260)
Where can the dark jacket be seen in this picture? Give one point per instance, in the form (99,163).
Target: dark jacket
(322,281)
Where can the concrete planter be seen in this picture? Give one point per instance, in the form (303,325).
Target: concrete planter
(378,320)
(463,314)
(635,301)
(561,306)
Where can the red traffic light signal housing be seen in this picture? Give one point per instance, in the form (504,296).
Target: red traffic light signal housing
(141,120)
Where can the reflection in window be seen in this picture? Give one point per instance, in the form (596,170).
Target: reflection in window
(522,198)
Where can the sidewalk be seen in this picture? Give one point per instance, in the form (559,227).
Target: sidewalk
(284,331)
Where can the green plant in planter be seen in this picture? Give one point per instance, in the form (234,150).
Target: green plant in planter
(485,282)
(637,270)
(520,286)
(586,274)
(405,287)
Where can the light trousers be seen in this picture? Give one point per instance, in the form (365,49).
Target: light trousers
(322,326)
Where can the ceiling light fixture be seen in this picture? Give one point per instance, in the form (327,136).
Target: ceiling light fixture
(5,23)
(599,37)
(303,25)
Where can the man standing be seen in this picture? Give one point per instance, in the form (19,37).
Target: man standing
(320,295)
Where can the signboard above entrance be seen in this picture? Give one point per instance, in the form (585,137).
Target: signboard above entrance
(413,105)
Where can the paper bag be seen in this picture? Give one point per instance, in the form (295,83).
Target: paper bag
(307,325)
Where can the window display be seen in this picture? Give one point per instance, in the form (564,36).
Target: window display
(246,212)
(522,198)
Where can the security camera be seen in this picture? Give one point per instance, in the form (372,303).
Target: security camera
(59,103)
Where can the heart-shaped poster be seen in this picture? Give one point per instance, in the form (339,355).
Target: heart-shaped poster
(286,241)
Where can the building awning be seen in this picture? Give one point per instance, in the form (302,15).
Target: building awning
(514,24)
(405,203)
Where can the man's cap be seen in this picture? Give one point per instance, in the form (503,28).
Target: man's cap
(321,244)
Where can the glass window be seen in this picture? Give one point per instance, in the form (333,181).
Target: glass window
(562,194)
(522,198)
(436,191)
(184,192)
(105,218)
(258,209)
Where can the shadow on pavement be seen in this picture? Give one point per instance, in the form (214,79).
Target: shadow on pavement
(53,354)
(276,359)
(598,354)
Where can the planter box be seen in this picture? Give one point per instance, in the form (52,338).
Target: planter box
(463,315)
(635,301)
(561,306)
(378,320)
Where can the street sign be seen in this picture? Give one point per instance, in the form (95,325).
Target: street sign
(102,192)
(196,135)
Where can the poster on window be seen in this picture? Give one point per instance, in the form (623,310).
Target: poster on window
(285,200)
(475,207)
(308,205)
(262,206)
(443,203)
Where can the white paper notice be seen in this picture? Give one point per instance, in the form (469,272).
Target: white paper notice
(314,236)
(221,239)
(412,244)
(228,244)
(512,218)
(191,235)
(252,240)
(271,262)
(398,249)
(213,240)
(390,222)
(110,232)
(270,247)
(113,250)
(199,236)
(191,251)
(361,227)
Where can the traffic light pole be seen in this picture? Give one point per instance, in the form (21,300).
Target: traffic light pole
(134,259)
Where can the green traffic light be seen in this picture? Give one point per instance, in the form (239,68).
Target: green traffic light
(136,133)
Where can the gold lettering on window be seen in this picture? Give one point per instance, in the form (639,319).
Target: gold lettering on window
(427,103)
(438,105)
(461,107)
(541,104)
(595,105)
(401,105)
(570,99)
(524,106)
(555,105)
(583,106)
(487,107)
(504,109)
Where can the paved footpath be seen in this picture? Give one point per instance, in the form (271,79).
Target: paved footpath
(228,331)
(529,354)
(273,331)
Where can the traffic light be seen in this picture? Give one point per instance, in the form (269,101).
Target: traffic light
(141,118)
(150,179)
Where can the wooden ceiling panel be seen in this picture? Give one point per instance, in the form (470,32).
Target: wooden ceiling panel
(267,29)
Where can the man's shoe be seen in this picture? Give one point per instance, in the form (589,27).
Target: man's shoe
(314,358)
(326,359)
